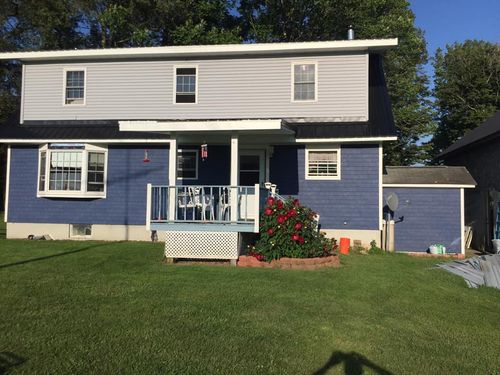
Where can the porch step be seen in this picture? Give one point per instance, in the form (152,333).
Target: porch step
(201,245)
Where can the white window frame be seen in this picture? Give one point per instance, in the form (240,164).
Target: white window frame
(197,153)
(292,80)
(323,148)
(82,193)
(85,236)
(74,69)
(195,83)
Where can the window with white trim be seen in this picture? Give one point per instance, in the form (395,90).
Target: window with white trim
(185,84)
(187,164)
(74,89)
(323,164)
(72,170)
(304,82)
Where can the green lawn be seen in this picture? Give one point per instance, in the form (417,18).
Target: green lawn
(105,308)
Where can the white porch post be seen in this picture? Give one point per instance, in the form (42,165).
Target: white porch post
(172,177)
(234,177)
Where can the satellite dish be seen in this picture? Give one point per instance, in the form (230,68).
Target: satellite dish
(392,201)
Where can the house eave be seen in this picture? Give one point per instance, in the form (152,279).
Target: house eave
(367,45)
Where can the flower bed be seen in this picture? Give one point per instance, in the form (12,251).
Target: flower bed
(249,261)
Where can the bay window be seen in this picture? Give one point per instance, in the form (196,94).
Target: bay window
(72,170)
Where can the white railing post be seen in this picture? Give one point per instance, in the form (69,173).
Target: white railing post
(256,209)
(234,178)
(148,207)
(172,178)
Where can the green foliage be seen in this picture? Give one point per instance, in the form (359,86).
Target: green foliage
(374,249)
(467,88)
(288,229)
(309,20)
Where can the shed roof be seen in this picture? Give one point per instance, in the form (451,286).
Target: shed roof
(488,130)
(428,176)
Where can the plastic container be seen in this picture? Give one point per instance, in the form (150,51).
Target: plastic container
(496,246)
(344,245)
(437,249)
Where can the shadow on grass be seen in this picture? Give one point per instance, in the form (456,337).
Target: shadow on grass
(86,248)
(354,364)
(8,361)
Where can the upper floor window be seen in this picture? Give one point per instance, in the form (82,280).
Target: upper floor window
(323,163)
(185,85)
(74,88)
(187,164)
(304,82)
(72,170)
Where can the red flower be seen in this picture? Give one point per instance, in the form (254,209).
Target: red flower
(281,219)
(295,237)
(292,213)
(301,240)
(268,211)
(296,202)
(270,231)
(270,201)
(279,204)
(298,226)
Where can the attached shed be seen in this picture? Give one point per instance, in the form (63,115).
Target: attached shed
(431,206)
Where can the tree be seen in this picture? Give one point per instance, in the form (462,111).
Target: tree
(309,20)
(466,88)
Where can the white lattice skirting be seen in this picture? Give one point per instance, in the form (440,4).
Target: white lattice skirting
(201,245)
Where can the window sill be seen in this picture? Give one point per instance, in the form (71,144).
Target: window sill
(75,195)
(323,178)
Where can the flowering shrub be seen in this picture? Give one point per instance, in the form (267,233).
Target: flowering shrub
(288,229)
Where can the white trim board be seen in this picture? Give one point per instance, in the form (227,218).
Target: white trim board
(462,222)
(107,141)
(207,50)
(345,140)
(196,126)
(436,186)
(7,185)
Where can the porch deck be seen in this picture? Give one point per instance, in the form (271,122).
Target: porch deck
(204,208)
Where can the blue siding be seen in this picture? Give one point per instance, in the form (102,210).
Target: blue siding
(429,216)
(126,189)
(349,203)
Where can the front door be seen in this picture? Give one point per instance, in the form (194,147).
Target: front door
(252,168)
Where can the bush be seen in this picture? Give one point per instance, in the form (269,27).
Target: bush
(288,229)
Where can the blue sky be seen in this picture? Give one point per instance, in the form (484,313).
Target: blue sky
(448,21)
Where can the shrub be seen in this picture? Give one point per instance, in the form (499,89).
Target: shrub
(288,229)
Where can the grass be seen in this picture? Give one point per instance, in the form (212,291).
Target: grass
(102,308)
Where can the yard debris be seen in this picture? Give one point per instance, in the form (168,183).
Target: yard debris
(41,237)
(477,271)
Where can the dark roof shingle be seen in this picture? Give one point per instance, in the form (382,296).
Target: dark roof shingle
(439,175)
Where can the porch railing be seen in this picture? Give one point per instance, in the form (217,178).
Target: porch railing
(217,204)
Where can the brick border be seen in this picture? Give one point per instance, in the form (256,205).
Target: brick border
(247,261)
(427,255)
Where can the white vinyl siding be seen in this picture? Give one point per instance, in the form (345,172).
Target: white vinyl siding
(228,88)
(322,163)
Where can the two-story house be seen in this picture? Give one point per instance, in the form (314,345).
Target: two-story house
(111,144)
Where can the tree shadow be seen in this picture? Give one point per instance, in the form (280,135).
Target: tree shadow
(86,248)
(354,364)
(8,361)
